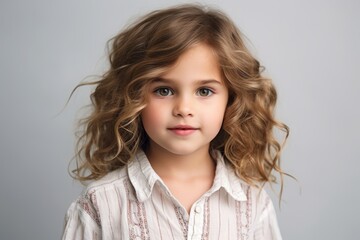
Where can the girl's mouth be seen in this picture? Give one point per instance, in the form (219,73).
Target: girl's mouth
(183,130)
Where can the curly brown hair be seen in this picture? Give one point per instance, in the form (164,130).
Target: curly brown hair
(144,51)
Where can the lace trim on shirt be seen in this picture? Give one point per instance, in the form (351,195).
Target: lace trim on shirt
(89,204)
(243,215)
(136,216)
(206,225)
(183,223)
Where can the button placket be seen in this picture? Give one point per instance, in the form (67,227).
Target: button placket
(198,220)
(198,209)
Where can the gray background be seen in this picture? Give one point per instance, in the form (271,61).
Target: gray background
(310,49)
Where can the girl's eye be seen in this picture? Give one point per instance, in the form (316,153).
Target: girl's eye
(205,92)
(164,91)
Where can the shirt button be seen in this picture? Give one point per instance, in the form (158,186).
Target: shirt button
(198,209)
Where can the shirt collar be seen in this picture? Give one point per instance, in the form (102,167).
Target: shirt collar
(143,178)
(226,178)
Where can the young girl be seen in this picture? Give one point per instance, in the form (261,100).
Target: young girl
(180,141)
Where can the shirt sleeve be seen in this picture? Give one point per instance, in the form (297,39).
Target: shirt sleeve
(81,222)
(266,227)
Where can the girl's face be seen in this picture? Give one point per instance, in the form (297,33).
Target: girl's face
(186,105)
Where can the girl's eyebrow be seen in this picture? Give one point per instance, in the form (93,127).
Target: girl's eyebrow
(198,82)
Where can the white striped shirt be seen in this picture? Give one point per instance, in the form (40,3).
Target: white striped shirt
(134,203)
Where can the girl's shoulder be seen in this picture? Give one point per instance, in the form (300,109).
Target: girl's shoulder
(89,208)
(93,195)
(108,182)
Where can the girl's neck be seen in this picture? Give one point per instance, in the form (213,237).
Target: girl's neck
(169,165)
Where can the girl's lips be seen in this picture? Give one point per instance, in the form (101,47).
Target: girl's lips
(183,130)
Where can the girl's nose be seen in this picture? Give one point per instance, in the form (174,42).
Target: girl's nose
(183,107)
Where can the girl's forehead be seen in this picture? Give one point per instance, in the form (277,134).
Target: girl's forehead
(198,62)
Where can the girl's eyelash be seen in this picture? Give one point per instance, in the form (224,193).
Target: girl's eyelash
(164,91)
(167,91)
(207,92)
